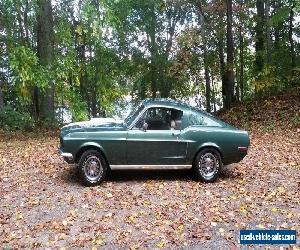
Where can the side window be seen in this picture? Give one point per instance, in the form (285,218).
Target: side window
(196,119)
(161,119)
(176,119)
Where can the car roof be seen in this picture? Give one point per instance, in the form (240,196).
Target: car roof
(167,102)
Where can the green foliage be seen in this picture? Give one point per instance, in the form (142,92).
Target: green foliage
(281,15)
(295,77)
(265,79)
(27,72)
(146,29)
(48,122)
(106,50)
(78,107)
(12,120)
(295,120)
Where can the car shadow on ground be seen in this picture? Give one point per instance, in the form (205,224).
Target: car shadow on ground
(142,175)
(71,175)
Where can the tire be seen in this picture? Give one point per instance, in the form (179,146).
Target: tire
(207,165)
(92,168)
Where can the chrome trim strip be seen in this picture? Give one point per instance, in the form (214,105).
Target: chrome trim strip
(115,167)
(174,157)
(158,140)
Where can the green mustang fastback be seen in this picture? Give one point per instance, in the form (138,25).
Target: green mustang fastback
(158,134)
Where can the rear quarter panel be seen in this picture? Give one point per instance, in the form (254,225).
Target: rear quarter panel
(224,139)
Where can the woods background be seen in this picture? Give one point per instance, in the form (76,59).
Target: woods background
(92,57)
(89,56)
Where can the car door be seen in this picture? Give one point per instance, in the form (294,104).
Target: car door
(157,145)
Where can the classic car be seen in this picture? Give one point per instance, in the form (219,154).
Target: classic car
(158,134)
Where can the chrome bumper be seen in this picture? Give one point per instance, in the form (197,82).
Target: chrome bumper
(68,156)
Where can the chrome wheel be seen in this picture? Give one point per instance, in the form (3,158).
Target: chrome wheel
(208,165)
(92,168)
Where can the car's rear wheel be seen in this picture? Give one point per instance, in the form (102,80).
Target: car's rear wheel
(207,165)
(92,167)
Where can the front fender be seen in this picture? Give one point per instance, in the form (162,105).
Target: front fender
(91,144)
(86,146)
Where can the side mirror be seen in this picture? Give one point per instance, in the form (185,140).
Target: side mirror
(145,126)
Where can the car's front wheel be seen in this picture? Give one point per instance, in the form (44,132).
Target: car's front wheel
(207,165)
(92,167)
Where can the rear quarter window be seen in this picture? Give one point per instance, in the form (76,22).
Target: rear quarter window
(200,119)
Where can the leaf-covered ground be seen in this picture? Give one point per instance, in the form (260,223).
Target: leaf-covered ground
(43,204)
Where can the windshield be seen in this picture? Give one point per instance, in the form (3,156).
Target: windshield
(133,114)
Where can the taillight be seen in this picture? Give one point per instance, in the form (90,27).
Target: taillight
(243,149)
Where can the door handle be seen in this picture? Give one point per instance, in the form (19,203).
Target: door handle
(176,134)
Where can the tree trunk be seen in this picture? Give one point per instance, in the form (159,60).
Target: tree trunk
(153,52)
(229,87)
(277,5)
(45,53)
(153,78)
(259,43)
(241,45)
(35,103)
(291,28)
(81,49)
(1,96)
(94,104)
(237,92)
(268,32)
(213,91)
(94,94)
(19,20)
(26,22)
(207,80)
(143,90)
(1,99)
(260,38)
(1,89)
(222,67)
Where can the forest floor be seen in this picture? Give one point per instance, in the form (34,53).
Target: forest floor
(43,203)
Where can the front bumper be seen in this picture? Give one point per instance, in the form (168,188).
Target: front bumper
(68,157)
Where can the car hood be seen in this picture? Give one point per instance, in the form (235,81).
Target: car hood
(93,124)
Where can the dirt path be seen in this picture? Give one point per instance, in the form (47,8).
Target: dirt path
(43,204)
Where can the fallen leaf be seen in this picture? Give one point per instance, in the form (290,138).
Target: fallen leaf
(243,208)
(160,244)
(19,215)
